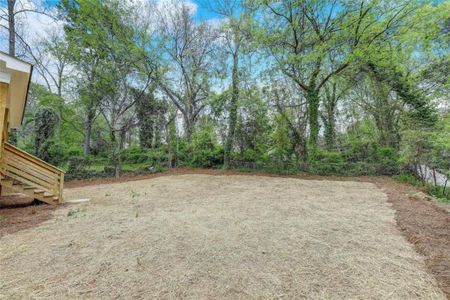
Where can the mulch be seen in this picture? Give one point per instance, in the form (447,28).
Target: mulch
(425,224)
(19,213)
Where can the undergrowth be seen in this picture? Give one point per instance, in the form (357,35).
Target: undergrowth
(437,191)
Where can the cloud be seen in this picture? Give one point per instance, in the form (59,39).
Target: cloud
(168,5)
(31,25)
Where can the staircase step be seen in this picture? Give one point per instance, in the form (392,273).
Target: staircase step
(30,176)
(7,182)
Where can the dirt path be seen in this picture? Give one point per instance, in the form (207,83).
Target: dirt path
(201,236)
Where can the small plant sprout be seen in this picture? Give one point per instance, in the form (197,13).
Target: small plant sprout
(134,194)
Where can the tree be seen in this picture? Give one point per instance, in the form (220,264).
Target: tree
(45,123)
(233,33)
(86,31)
(51,58)
(190,47)
(14,9)
(330,104)
(151,119)
(313,41)
(292,109)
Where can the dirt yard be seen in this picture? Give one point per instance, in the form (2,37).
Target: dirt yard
(202,236)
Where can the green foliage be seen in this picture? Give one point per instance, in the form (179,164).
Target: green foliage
(203,148)
(386,62)
(388,160)
(440,192)
(77,165)
(134,155)
(282,148)
(153,157)
(361,141)
(45,122)
(327,163)
(408,179)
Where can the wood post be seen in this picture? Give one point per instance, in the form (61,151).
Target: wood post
(61,186)
(3,116)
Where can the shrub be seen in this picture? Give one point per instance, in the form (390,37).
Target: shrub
(78,168)
(134,155)
(327,163)
(203,148)
(157,157)
(388,160)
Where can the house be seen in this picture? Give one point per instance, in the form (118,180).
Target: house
(19,170)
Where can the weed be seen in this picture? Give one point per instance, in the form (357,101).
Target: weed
(73,212)
(436,191)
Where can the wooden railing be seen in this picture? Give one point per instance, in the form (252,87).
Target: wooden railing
(32,172)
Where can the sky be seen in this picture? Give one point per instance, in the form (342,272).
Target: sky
(38,26)
(203,13)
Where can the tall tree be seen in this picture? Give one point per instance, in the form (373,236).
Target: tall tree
(313,41)
(45,123)
(151,119)
(233,33)
(87,30)
(189,46)
(15,9)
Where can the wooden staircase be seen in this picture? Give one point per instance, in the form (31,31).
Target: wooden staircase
(29,175)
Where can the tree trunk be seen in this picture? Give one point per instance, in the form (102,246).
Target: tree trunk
(329,132)
(329,120)
(115,153)
(233,110)
(312,96)
(12,27)
(188,127)
(118,161)
(87,133)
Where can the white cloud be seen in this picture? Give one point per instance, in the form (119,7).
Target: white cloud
(170,5)
(31,26)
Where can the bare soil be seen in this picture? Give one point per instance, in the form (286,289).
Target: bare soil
(201,236)
(425,224)
(19,213)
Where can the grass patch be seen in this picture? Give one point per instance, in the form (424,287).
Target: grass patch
(437,191)
(99,167)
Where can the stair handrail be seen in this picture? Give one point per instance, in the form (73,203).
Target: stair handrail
(40,174)
(28,156)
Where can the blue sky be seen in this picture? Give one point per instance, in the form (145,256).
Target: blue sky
(204,13)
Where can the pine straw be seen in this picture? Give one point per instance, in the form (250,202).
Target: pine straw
(200,236)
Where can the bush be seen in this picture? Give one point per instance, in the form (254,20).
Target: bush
(57,154)
(78,168)
(327,163)
(134,155)
(204,151)
(388,159)
(154,157)
(157,157)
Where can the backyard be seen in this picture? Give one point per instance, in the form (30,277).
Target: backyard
(215,234)
(224,149)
